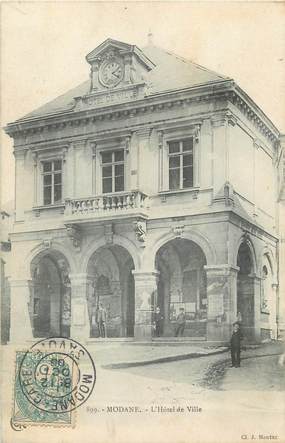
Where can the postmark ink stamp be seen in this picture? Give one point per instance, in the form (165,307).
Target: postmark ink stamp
(52,379)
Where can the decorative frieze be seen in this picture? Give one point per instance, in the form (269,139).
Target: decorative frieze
(103,102)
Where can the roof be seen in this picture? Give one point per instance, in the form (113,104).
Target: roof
(171,72)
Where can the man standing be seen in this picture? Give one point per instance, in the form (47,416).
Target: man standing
(101,320)
(235,345)
(181,320)
(158,322)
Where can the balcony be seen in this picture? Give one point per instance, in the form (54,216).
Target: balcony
(106,206)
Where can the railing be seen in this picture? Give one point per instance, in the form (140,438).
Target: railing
(118,202)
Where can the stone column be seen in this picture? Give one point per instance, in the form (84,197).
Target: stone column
(145,301)
(21,327)
(80,325)
(222,301)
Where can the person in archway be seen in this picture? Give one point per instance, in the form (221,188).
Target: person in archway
(101,318)
(158,319)
(181,321)
(236,345)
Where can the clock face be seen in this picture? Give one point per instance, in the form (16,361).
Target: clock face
(111,72)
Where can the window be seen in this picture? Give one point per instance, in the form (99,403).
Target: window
(180,164)
(113,171)
(52,182)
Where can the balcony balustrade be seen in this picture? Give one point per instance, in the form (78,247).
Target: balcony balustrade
(106,204)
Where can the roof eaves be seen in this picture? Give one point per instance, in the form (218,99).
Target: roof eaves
(146,60)
(252,103)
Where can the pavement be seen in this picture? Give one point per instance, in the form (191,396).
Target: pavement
(112,355)
(261,369)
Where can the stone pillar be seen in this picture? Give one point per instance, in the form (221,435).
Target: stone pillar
(80,325)
(20,182)
(221,142)
(222,301)
(21,327)
(145,301)
(257,305)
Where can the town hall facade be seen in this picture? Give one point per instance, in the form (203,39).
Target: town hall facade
(152,184)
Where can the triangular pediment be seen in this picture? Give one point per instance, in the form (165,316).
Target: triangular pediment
(119,47)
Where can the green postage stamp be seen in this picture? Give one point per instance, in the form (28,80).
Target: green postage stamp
(52,379)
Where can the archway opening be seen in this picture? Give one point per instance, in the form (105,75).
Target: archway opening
(267,301)
(111,292)
(182,288)
(50,301)
(245,291)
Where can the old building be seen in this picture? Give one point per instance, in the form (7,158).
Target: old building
(153,183)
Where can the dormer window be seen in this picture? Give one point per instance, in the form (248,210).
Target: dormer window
(52,182)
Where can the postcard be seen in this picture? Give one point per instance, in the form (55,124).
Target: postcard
(142,222)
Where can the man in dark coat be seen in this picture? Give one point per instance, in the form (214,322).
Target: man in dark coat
(158,319)
(235,345)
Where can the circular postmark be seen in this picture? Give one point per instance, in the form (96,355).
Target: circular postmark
(57,375)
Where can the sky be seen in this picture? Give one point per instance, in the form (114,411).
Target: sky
(44,44)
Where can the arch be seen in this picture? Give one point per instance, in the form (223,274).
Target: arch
(109,271)
(193,236)
(50,293)
(267,252)
(171,260)
(117,240)
(55,250)
(105,263)
(246,293)
(181,290)
(248,242)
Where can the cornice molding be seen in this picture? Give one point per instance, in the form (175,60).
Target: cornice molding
(265,128)
(225,90)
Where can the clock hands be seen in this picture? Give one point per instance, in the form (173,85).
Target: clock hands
(111,73)
(116,70)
